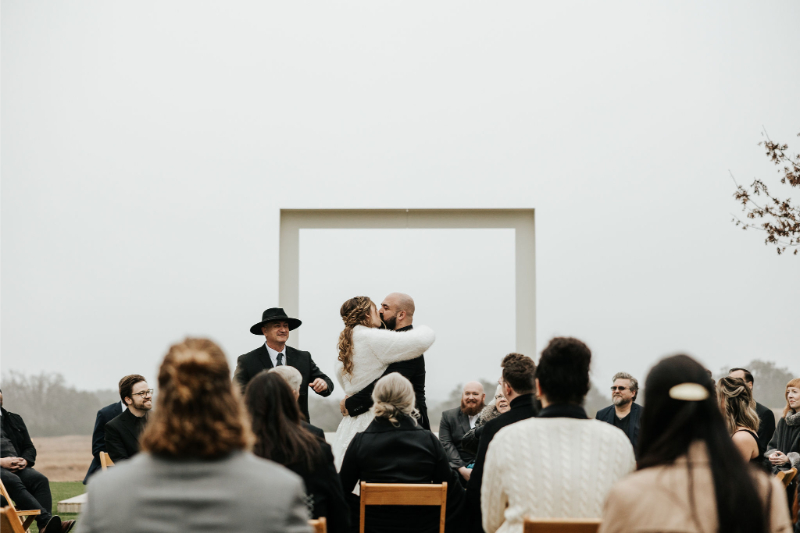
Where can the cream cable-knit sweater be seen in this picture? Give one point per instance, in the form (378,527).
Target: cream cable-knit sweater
(375,349)
(551,468)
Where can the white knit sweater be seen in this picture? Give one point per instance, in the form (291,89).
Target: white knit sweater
(551,468)
(375,349)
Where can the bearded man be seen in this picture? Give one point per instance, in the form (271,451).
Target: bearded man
(456,423)
(122,433)
(624,413)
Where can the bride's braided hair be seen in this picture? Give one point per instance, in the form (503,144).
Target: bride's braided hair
(355,312)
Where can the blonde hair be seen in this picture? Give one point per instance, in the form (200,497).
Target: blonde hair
(739,407)
(793,383)
(394,396)
(355,312)
(198,413)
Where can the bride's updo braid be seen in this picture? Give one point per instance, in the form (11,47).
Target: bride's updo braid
(355,312)
(394,396)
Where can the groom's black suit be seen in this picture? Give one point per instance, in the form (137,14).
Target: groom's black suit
(250,364)
(413,370)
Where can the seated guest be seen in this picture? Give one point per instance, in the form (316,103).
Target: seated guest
(783,451)
(122,433)
(518,384)
(691,477)
(560,464)
(194,473)
(294,378)
(395,448)
(625,412)
(738,410)
(457,422)
(29,489)
(104,416)
(281,437)
(496,407)
(766,424)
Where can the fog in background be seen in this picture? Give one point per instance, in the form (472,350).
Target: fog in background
(147,149)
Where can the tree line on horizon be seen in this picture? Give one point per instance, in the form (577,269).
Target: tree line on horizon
(52,408)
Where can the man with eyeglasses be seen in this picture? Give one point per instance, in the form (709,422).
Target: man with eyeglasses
(122,433)
(625,412)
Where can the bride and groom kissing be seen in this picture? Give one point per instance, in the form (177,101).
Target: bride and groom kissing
(375,342)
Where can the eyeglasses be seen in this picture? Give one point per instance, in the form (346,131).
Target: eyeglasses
(499,397)
(148,392)
(619,388)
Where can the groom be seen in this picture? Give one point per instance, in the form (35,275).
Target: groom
(397,313)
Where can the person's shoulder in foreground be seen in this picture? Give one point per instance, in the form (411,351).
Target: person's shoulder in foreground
(198,495)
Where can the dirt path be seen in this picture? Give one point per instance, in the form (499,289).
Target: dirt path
(63,458)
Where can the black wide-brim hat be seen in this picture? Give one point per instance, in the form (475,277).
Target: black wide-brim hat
(275,314)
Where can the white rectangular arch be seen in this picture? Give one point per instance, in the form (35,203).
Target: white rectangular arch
(520,220)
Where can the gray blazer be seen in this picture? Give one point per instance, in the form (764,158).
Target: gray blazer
(240,493)
(452,428)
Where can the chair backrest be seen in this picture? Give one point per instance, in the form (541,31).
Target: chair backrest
(403,494)
(561,525)
(320,525)
(29,516)
(786,476)
(9,521)
(105,461)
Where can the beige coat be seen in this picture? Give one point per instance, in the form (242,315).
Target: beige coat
(657,499)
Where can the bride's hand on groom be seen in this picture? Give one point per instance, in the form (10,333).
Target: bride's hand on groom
(342,407)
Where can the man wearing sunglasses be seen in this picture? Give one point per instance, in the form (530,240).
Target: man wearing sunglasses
(122,433)
(625,412)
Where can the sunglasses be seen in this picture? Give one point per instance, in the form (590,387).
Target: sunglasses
(618,388)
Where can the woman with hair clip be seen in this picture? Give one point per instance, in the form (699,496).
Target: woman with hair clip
(365,352)
(194,472)
(691,477)
(396,449)
(281,437)
(739,411)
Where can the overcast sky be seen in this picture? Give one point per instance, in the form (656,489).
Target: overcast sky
(148,147)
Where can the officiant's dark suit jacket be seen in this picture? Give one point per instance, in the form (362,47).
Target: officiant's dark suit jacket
(250,364)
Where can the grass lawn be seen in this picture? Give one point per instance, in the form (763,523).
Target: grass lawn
(63,490)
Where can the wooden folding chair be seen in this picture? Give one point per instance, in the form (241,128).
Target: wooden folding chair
(786,476)
(30,515)
(561,525)
(9,521)
(320,525)
(105,461)
(403,494)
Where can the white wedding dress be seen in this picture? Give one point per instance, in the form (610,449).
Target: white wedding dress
(373,351)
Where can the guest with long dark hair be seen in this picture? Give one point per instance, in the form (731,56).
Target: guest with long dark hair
(194,472)
(691,477)
(282,437)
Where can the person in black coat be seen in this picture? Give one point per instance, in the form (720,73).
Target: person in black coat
(396,449)
(518,383)
(456,423)
(29,488)
(104,416)
(275,326)
(783,450)
(282,436)
(766,418)
(397,314)
(625,413)
(123,432)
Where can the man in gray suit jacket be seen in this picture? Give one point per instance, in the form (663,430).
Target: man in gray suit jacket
(456,423)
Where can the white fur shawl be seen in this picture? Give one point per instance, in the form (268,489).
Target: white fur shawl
(374,349)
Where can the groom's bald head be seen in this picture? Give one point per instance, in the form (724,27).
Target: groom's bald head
(397,310)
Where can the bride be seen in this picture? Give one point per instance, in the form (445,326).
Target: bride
(364,354)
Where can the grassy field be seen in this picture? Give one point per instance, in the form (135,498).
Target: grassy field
(63,490)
